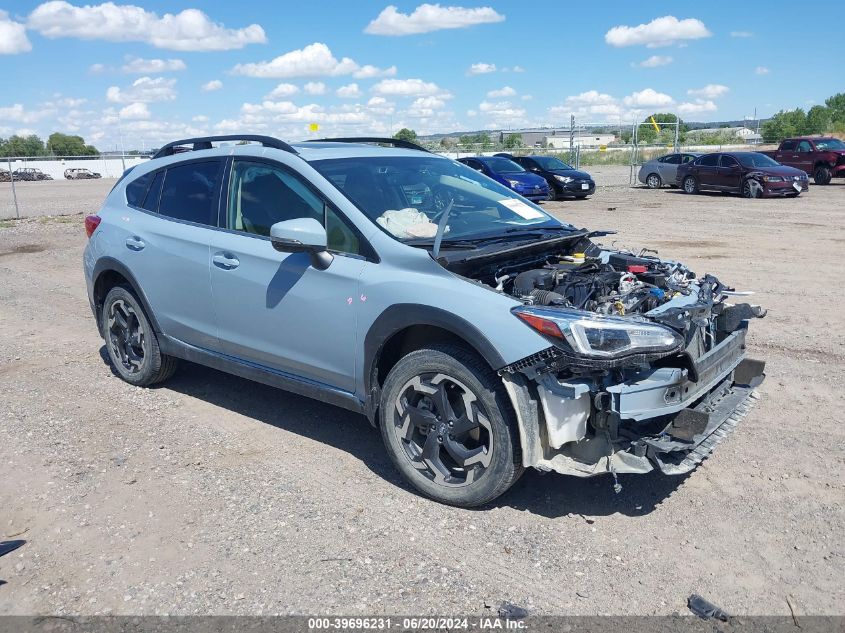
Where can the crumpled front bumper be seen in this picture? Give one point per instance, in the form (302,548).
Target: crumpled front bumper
(666,418)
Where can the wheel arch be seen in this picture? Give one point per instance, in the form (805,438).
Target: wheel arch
(109,272)
(401,329)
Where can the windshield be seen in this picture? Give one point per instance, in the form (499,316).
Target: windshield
(824,144)
(503,165)
(550,163)
(407,195)
(753,159)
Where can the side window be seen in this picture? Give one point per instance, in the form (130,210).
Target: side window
(728,161)
(188,192)
(261,195)
(136,189)
(804,146)
(672,159)
(688,158)
(154,193)
(787,146)
(710,160)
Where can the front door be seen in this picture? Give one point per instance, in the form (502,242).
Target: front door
(729,174)
(275,309)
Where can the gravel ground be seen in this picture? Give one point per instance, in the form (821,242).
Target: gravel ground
(211,494)
(53,197)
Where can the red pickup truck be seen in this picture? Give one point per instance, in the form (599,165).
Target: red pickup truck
(821,157)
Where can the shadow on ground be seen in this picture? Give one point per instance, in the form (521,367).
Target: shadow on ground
(550,495)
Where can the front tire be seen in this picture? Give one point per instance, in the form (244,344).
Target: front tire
(822,175)
(751,189)
(448,426)
(131,341)
(690,185)
(653,181)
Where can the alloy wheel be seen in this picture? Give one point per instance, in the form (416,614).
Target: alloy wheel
(689,185)
(126,336)
(653,181)
(442,429)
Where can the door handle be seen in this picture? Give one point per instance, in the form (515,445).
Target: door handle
(135,243)
(226,261)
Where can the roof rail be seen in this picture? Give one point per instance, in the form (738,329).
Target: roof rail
(395,142)
(204,142)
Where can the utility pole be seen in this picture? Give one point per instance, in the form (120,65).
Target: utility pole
(571,137)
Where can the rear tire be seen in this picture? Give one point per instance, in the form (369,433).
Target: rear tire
(822,175)
(690,185)
(653,181)
(449,427)
(131,342)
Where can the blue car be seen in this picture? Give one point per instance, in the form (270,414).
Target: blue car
(511,175)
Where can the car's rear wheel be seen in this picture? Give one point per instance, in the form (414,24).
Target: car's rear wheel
(131,342)
(751,189)
(822,175)
(552,193)
(653,181)
(448,426)
(690,185)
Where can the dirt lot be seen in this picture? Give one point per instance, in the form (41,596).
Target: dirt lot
(215,495)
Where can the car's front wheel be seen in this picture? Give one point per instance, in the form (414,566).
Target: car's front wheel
(449,427)
(822,175)
(690,185)
(131,342)
(751,189)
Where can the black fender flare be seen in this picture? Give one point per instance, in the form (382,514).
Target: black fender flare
(403,315)
(110,264)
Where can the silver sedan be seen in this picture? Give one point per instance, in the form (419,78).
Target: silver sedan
(663,170)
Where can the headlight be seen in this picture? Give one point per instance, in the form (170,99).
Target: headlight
(772,179)
(563,178)
(514,183)
(601,337)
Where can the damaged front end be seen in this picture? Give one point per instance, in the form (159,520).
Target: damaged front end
(646,366)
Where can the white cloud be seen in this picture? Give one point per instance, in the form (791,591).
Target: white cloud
(502,113)
(710,91)
(200,118)
(350,91)
(406,88)
(507,91)
(282,90)
(425,107)
(527,97)
(13,39)
(700,106)
(430,17)
(97,69)
(140,66)
(144,90)
(481,69)
(515,69)
(369,72)
(315,88)
(135,111)
(654,61)
(663,31)
(211,86)
(742,34)
(19,114)
(647,98)
(761,70)
(188,30)
(315,60)
(591,97)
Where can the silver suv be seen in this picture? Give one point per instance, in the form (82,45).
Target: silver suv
(480,334)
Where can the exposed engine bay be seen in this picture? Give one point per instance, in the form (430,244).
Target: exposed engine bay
(646,365)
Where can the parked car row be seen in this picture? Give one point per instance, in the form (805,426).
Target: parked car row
(534,177)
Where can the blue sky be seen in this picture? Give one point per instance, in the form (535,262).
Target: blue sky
(158,70)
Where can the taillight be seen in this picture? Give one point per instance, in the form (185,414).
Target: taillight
(91,224)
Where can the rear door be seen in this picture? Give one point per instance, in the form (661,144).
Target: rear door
(166,245)
(708,171)
(274,309)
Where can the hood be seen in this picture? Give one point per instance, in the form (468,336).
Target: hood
(572,173)
(525,178)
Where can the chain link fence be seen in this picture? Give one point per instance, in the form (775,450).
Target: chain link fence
(58,185)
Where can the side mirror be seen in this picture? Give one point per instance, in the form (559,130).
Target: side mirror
(302,235)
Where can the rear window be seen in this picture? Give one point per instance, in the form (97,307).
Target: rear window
(787,146)
(154,193)
(136,190)
(711,160)
(188,192)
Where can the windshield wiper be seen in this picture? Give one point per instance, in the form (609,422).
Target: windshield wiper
(538,229)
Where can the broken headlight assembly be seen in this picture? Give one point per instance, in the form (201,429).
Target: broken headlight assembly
(563,179)
(601,340)
(773,179)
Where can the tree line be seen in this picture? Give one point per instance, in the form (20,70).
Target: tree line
(819,119)
(57,144)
